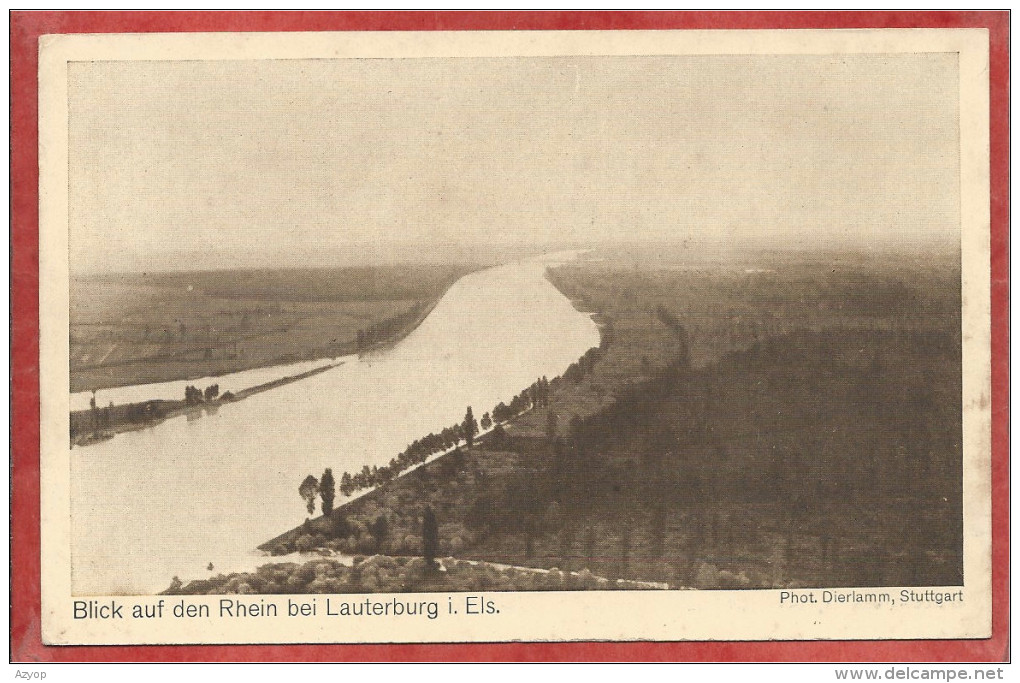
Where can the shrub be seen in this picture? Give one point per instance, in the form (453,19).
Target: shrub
(412,544)
(586,580)
(305,543)
(727,579)
(326,584)
(707,577)
(306,572)
(366,545)
(384,562)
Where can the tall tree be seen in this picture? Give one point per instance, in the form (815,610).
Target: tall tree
(327,489)
(470,427)
(379,529)
(589,545)
(430,537)
(550,426)
(308,490)
(346,484)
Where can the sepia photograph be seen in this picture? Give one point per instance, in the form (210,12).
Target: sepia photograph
(403,329)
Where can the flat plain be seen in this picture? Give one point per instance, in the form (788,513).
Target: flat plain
(139,328)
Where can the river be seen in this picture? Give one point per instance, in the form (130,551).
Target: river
(168,500)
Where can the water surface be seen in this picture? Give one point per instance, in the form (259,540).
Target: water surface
(168,500)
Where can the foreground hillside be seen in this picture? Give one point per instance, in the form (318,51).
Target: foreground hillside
(381,574)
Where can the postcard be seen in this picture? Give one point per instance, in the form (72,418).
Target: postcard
(482,336)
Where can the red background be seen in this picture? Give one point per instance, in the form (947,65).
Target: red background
(26,27)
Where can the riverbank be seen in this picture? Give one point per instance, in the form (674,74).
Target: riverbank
(402,332)
(94,426)
(292,540)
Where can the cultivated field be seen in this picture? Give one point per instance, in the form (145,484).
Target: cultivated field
(140,328)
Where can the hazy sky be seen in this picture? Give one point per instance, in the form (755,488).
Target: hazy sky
(263,162)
